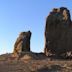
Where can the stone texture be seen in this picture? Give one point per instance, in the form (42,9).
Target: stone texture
(58,32)
(22,43)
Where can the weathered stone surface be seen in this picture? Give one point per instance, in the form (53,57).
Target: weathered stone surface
(22,43)
(58,32)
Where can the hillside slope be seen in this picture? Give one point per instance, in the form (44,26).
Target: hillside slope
(9,64)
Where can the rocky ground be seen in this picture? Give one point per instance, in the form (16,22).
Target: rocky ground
(30,64)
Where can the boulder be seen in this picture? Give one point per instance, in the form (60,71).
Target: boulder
(58,32)
(22,43)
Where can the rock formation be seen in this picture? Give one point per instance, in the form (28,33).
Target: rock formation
(22,43)
(58,33)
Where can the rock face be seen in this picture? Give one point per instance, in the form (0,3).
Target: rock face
(58,32)
(22,43)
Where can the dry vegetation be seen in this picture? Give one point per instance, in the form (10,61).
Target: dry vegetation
(34,65)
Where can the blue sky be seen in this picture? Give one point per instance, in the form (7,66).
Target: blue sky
(23,15)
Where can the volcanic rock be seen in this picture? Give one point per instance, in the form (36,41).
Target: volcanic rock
(58,33)
(22,43)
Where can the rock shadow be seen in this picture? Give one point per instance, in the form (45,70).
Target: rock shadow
(53,68)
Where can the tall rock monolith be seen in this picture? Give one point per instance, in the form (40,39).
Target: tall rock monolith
(58,32)
(22,43)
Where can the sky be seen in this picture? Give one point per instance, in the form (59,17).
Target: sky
(23,15)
